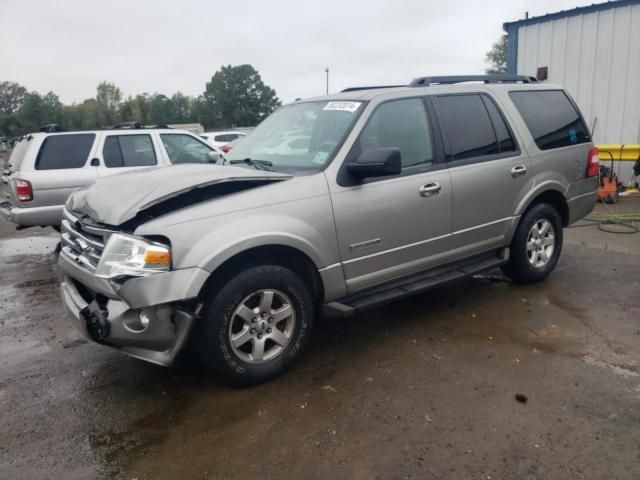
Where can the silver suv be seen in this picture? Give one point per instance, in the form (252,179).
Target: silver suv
(397,190)
(45,168)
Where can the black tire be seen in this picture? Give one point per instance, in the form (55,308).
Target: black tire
(214,344)
(520,268)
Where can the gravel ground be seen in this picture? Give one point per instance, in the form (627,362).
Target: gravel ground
(422,388)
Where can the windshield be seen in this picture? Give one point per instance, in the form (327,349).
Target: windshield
(301,137)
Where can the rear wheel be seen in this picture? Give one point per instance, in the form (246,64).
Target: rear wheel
(536,245)
(256,326)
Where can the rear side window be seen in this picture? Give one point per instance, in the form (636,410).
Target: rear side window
(128,151)
(506,143)
(551,118)
(468,126)
(64,151)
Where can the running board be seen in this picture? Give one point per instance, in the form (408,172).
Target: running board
(414,284)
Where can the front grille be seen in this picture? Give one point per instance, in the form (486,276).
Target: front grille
(82,242)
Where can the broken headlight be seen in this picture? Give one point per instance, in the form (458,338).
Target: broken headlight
(125,255)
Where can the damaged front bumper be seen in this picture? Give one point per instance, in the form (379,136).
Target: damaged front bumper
(146,317)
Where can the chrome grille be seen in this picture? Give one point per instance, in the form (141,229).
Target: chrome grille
(83,243)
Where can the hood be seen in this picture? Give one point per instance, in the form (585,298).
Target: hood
(117,199)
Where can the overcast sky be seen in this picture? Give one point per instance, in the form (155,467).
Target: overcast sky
(166,46)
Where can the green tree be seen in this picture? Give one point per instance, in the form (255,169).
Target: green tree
(497,56)
(108,97)
(182,108)
(52,108)
(239,97)
(161,109)
(11,97)
(31,113)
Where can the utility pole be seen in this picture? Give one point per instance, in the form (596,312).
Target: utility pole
(326,70)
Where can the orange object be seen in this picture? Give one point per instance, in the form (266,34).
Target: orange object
(608,189)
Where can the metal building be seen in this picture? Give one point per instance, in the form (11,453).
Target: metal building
(594,52)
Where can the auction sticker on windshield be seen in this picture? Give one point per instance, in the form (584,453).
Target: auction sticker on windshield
(343,106)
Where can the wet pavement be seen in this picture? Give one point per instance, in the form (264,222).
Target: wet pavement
(422,388)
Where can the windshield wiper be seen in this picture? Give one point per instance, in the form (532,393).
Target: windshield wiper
(259,164)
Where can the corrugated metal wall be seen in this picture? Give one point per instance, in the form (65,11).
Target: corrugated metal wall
(596,57)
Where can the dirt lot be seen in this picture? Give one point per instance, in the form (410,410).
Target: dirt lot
(423,388)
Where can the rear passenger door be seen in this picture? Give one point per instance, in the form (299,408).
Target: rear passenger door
(126,152)
(61,166)
(489,172)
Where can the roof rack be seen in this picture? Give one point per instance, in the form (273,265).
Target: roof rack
(371,87)
(451,79)
(135,126)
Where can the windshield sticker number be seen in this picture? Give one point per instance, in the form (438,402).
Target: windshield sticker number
(320,157)
(343,106)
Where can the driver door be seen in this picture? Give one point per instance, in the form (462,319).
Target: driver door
(390,227)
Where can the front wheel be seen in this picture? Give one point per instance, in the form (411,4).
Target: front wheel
(536,245)
(256,326)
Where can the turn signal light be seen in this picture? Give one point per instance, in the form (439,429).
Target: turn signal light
(157,257)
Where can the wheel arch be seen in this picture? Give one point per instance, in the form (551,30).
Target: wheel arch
(551,193)
(275,254)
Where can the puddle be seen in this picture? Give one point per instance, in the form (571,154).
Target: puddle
(41,245)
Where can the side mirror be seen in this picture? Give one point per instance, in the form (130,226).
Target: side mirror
(378,162)
(214,156)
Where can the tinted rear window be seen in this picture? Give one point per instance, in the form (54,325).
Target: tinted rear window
(468,127)
(64,151)
(551,118)
(128,151)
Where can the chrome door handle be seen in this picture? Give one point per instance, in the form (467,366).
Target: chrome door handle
(430,189)
(518,171)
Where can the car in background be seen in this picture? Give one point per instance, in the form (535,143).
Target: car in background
(45,168)
(221,139)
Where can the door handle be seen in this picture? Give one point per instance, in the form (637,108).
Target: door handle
(429,189)
(518,171)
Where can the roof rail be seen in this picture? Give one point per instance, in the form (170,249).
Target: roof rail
(451,79)
(372,87)
(51,128)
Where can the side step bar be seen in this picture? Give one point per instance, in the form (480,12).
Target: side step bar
(414,284)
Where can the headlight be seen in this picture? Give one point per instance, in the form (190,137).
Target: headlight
(125,255)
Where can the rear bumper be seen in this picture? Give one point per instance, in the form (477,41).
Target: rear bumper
(32,216)
(102,312)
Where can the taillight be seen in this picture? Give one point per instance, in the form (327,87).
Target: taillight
(24,192)
(226,148)
(593,162)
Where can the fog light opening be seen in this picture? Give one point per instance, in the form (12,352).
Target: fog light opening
(139,324)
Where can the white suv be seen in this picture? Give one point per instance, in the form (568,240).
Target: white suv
(220,139)
(45,168)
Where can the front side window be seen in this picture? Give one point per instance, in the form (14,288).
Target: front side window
(128,151)
(551,118)
(400,124)
(300,137)
(185,148)
(64,151)
(467,125)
